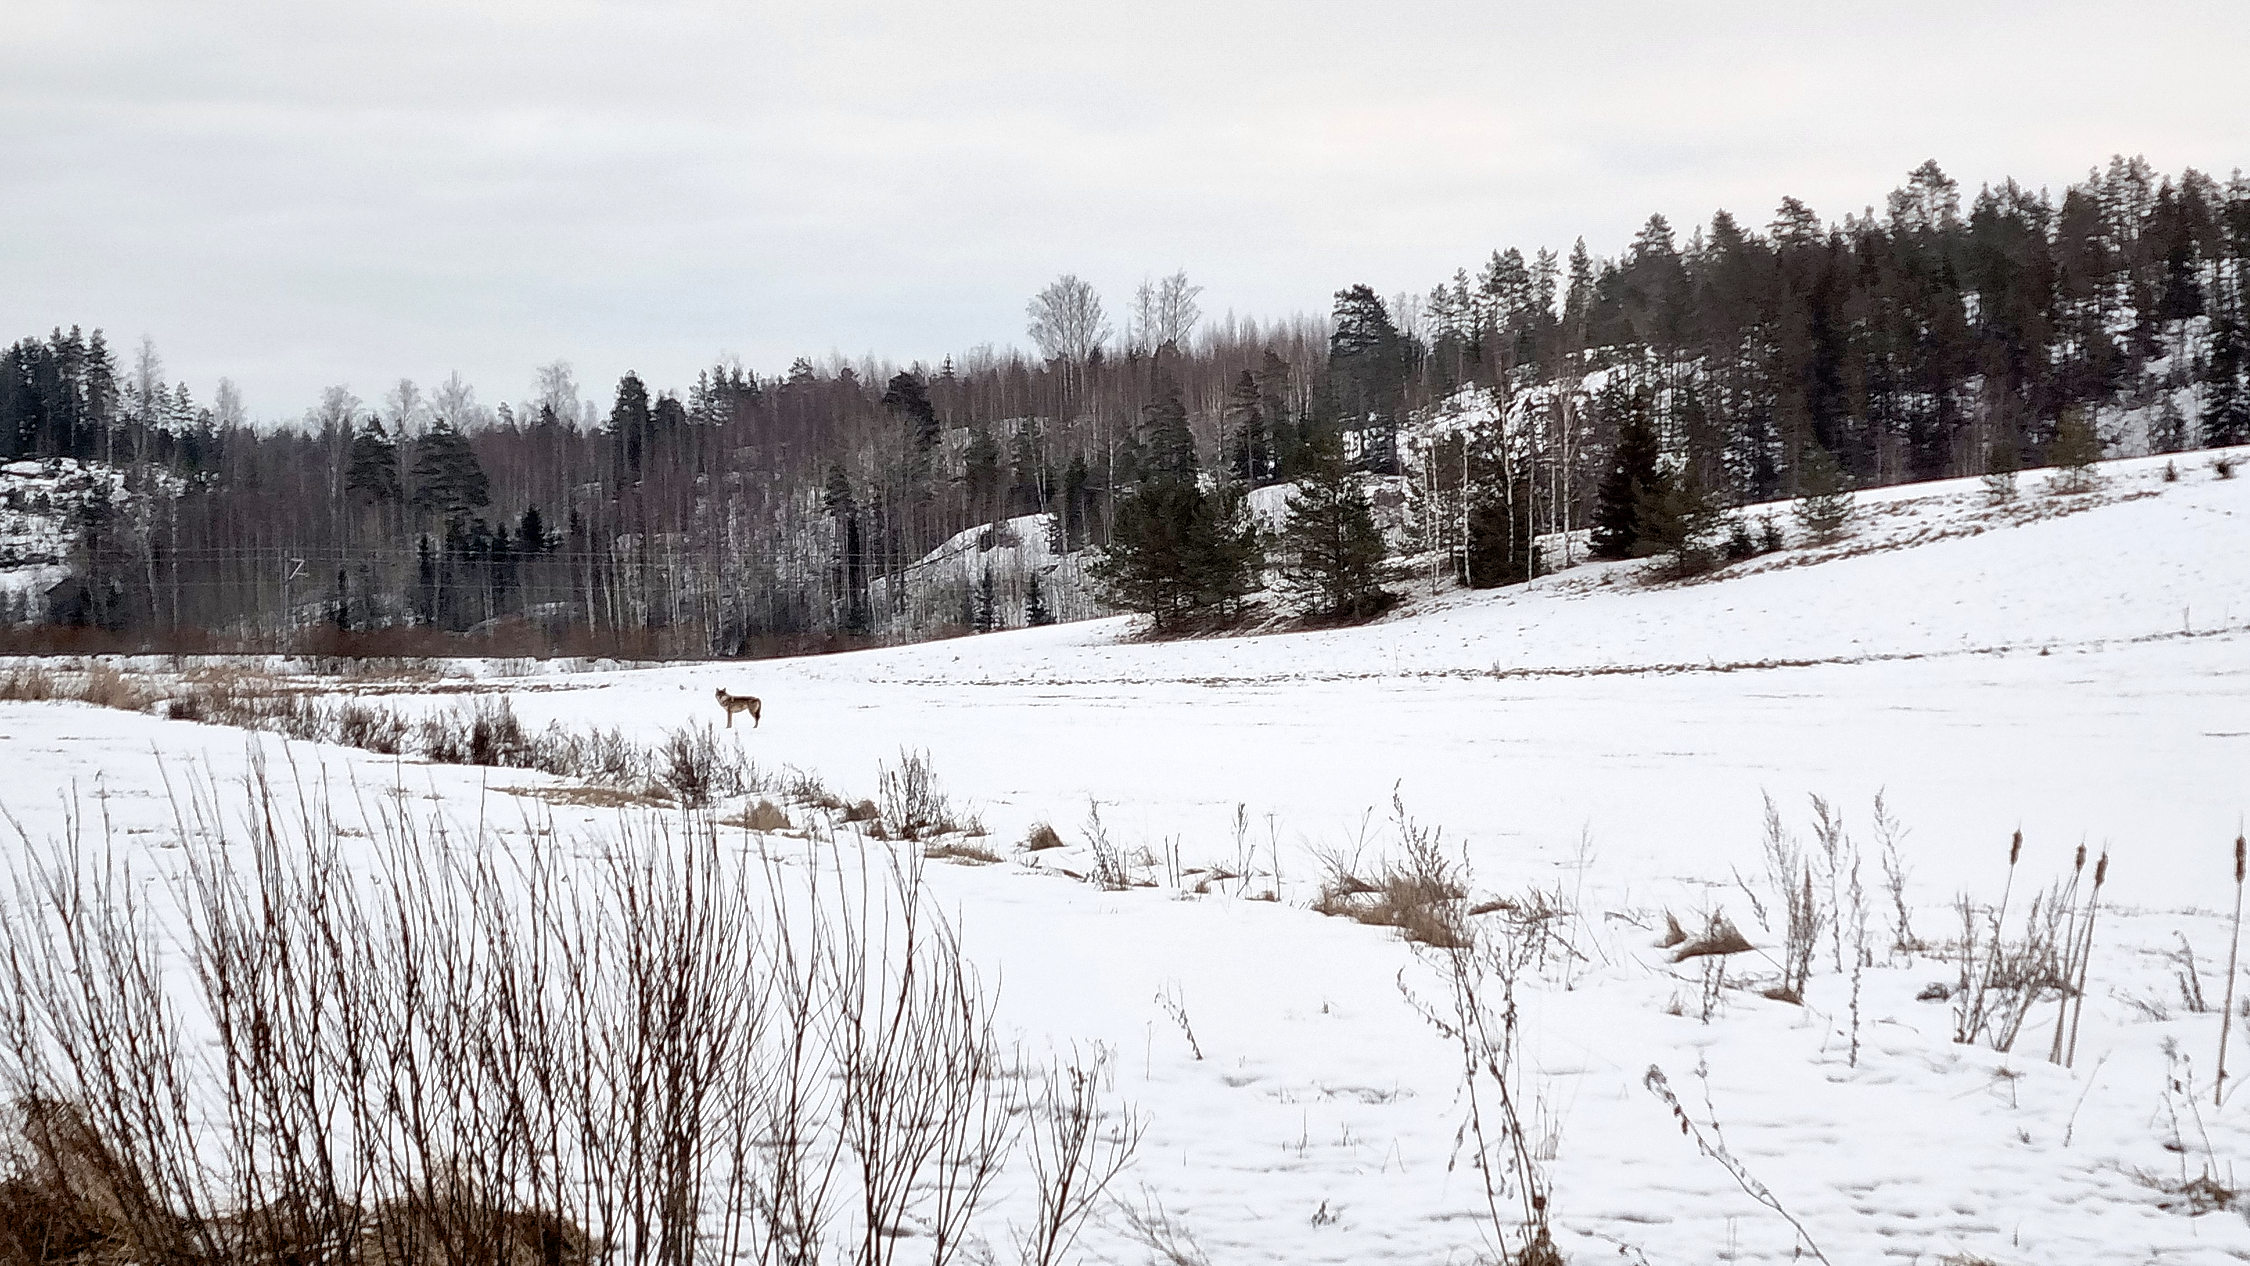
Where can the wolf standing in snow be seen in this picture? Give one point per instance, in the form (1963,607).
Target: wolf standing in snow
(739,703)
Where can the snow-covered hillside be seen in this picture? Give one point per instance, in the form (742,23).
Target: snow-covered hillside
(40,503)
(941,587)
(2073,666)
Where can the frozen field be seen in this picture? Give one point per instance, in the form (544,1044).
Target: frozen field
(2076,668)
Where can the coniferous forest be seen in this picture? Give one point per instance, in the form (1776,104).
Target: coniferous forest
(1931,335)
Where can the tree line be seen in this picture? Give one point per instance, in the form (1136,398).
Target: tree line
(752,512)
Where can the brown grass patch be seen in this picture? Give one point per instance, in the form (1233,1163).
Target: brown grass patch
(960,849)
(1423,902)
(100,684)
(1041,836)
(1719,936)
(593,797)
(764,817)
(29,683)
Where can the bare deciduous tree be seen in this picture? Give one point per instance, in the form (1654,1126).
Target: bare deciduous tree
(1066,320)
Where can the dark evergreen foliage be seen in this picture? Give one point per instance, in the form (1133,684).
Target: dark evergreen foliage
(449,481)
(1175,549)
(1333,549)
(1946,333)
(1634,484)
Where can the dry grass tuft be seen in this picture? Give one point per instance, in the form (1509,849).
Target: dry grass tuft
(960,848)
(763,816)
(594,797)
(100,684)
(1041,837)
(1417,893)
(29,683)
(1719,936)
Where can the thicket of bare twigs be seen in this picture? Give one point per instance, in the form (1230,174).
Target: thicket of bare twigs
(416,1047)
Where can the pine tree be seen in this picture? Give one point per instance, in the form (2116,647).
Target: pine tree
(910,400)
(449,482)
(371,469)
(1333,549)
(630,427)
(1249,448)
(1036,613)
(1367,370)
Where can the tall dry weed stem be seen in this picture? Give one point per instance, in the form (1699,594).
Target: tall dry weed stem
(423,1045)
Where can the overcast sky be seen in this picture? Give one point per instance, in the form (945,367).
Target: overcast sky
(298,194)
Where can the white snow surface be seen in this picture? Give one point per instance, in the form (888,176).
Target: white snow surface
(2074,666)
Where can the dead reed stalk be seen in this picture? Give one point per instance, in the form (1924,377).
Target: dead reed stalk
(2234,946)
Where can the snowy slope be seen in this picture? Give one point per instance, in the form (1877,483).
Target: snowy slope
(2077,667)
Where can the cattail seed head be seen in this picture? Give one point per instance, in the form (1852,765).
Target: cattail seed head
(2101,870)
(2015,847)
(2079,864)
(2238,861)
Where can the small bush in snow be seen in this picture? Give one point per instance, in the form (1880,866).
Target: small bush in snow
(696,769)
(913,806)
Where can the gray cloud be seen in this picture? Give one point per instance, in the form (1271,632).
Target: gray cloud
(298,194)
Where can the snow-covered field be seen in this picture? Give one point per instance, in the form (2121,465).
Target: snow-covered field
(2076,667)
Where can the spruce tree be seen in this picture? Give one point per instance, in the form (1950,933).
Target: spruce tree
(2226,397)
(1681,522)
(1334,553)
(2076,448)
(531,533)
(1175,549)
(1149,563)
(1824,496)
(1225,556)
(1036,613)
(1076,502)
(980,475)
(1170,451)
(1633,482)
(1501,548)
(987,614)
(1032,477)
(2001,463)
